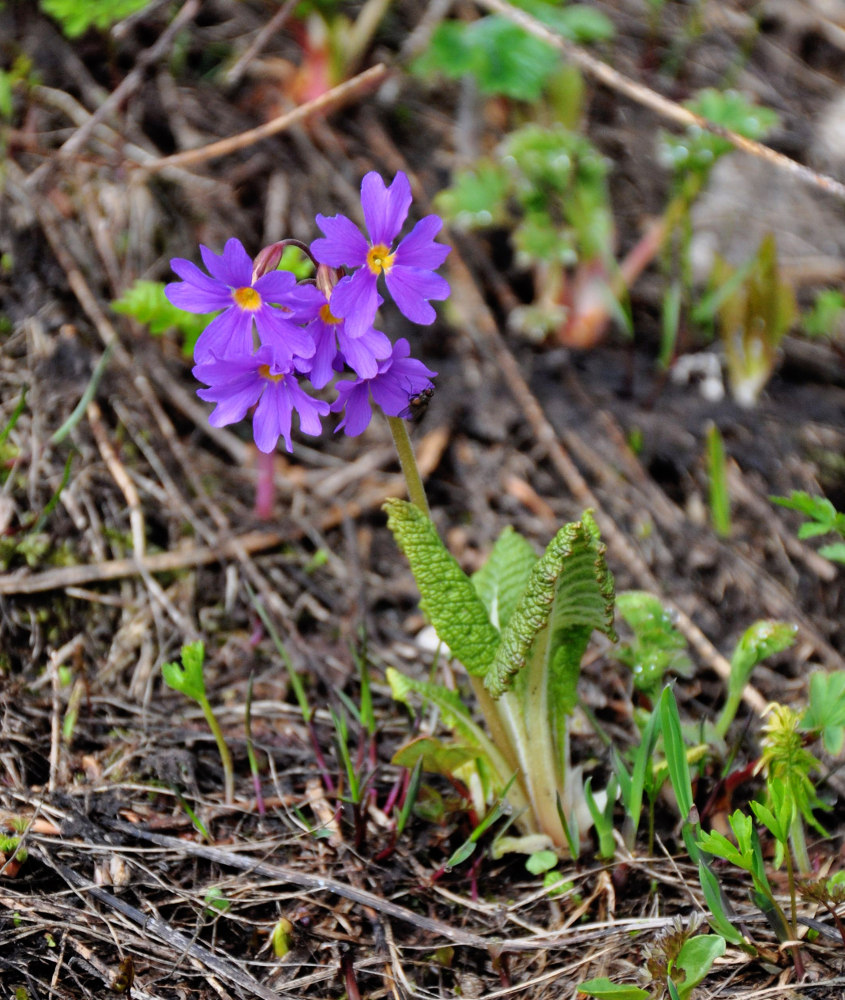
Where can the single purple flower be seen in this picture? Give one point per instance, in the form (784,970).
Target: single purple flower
(244,302)
(399,378)
(267,378)
(408,269)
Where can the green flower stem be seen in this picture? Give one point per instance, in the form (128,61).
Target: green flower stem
(407,461)
(225,755)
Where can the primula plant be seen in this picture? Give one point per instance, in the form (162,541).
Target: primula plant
(522,624)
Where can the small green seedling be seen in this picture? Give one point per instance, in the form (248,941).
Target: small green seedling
(675,963)
(657,647)
(759,641)
(822,518)
(215,901)
(549,186)
(189,680)
(281,937)
(717,476)
(825,316)
(755,308)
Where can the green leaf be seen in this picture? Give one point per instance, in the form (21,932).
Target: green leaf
(76,18)
(453,712)
(503,577)
(503,58)
(577,22)
(541,861)
(477,198)
(762,639)
(675,750)
(658,646)
(826,710)
(834,552)
(696,958)
(718,919)
(448,598)
(604,989)
(571,579)
(436,757)
(146,302)
(470,735)
(188,679)
(719,846)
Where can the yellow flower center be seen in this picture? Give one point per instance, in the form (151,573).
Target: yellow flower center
(247,298)
(327,317)
(264,372)
(379,258)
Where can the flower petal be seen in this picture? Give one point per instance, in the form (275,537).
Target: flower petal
(385,209)
(356,300)
(276,329)
(275,287)
(233,267)
(354,400)
(233,398)
(344,243)
(272,418)
(325,351)
(412,287)
(310,410)
(418,248)
(228,334)
(191,297)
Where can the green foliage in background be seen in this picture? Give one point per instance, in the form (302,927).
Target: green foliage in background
(502,57)
(75,17)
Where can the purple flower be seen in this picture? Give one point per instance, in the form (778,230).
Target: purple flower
(399,378)
(333,344)
(267,378)
(408,269)
(244,302)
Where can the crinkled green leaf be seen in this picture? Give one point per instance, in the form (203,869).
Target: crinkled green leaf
(447,597)
(502,579)
(572,579)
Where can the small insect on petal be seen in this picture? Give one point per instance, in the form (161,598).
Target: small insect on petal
(417,404)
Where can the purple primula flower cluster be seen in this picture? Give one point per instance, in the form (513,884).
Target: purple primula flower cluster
(275,333)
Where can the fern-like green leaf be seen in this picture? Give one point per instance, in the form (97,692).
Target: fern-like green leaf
(502,579)
(572,579)
(447,596)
